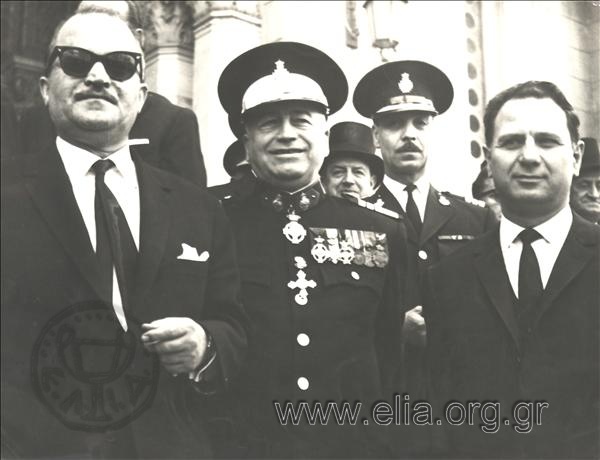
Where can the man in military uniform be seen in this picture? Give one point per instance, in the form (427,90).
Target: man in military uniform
(351,170)
(585,190)
(484,189)
(403,98)
(322,277)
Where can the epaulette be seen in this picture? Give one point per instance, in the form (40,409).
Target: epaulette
(475,201)
(379,209)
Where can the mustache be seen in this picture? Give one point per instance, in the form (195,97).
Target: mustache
(409,147)
(95,95)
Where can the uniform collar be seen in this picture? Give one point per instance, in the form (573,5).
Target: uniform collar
(298,202)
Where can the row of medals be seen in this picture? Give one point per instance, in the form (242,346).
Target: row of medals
(335,251)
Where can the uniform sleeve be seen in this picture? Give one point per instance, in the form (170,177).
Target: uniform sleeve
(388,334)
(225,319)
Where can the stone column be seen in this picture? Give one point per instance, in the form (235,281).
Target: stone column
(169,49)
(222,31)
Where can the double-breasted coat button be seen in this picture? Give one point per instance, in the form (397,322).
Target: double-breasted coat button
(422,255)
(303,339)
(303,383)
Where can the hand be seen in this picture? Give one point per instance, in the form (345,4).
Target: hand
(413,329)
(179,342)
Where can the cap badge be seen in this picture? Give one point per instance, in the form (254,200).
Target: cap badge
(405,84)
(280,69)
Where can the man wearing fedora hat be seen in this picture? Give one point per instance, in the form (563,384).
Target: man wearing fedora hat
(322,278)
(352,169)
(585,190)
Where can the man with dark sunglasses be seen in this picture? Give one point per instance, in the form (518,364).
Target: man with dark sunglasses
(172,131)
(120,309)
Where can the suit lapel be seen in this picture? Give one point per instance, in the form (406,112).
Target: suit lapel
(49,186)
(155,219)
(492,273)
(436,216)
(390,202)
(576,252)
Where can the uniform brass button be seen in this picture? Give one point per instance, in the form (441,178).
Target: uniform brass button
(303,340)
(303,383)
(355,275)
(423,255)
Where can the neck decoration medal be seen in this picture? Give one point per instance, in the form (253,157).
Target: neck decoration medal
(294,231)
(302,283)
(319,251)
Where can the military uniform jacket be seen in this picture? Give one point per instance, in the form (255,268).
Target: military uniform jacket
(450,222)
(340,343)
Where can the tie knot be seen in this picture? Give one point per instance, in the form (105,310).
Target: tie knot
(529,235)
(410,187)
(101,166)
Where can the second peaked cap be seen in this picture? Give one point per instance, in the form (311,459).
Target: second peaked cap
(403,86)
(277,72)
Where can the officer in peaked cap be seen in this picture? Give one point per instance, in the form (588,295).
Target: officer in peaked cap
(403,98)
(322,278)
(352,169)
(585,189)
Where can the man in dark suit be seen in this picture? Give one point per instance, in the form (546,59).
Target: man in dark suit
(322,278)
(120,292)
(513,318)
(403,99)
(352,169)
(172,131)
(585,190)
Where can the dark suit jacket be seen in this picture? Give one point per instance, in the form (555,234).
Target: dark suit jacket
(172,131)
(476,352)
(48,265)
(353,317)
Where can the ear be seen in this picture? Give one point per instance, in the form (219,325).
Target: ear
(577,156)
(487,153)
(375,133)
(143,95)
(373,181)
(43,83)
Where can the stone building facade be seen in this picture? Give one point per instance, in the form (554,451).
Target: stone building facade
(484,47)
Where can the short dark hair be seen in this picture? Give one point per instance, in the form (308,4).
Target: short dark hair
(535,89)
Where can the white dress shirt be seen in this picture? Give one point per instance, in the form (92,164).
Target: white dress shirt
(122,182)
(419,193)
(554,233)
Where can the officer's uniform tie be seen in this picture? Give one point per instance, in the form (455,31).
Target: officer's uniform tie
(530,281)
(411,209)
(115,246)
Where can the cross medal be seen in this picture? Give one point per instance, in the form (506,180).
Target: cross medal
(301,283)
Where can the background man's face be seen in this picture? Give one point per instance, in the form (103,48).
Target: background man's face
(286,143)
(348,177)
(585,196)
(403,138)
(95,103)
(532,157)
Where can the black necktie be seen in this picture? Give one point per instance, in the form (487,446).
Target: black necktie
(115,246)
(411,209)
(530,281)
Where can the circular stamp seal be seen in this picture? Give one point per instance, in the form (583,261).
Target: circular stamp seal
(89,372)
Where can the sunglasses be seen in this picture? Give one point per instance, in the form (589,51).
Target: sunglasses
(77,62)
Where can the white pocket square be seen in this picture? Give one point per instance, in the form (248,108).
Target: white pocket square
(191,253)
